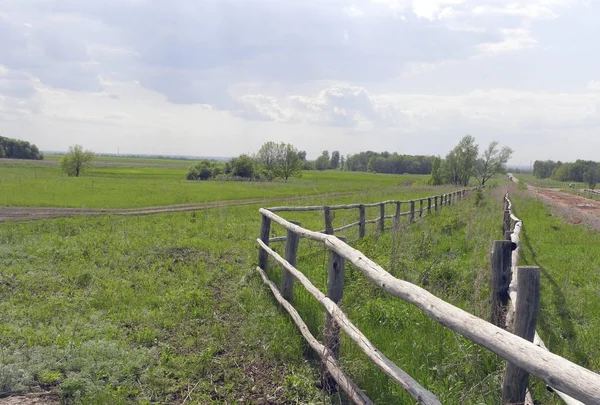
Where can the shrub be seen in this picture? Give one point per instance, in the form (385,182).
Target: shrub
(204,170)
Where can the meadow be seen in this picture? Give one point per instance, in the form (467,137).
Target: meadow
(168,308)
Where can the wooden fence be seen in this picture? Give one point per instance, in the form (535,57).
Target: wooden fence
(527,357)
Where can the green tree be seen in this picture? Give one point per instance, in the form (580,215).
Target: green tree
(590,176)
(436,173)
(203,170)
(323,162)
(288,162)
(335,160)
(342,162)
(243,166)
(460,162)
(491,162)
(76,161)
(268,157)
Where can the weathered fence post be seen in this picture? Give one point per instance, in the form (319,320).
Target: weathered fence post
(361,221)
(412,211)
(435,202)
(421,208)
(450,198)
(506,221)
(508,235)
(382,217)
(335,291)
(501,262)
(265,231)
(526,312)
(397,215)
(428,205)
(291,252)
(328,220)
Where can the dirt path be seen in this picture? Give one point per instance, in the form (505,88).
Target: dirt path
(577,209)
(37,213)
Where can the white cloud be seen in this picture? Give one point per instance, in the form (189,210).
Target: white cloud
(514,40)
(594,85)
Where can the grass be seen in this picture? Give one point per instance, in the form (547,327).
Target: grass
(40,184)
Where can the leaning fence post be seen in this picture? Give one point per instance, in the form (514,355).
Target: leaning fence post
(335,291)
(429,205)
(382,217)
(514,386)
(265,231)
(501,262)
(291,252)
(361,221)
(421,208)
(328,220)
(412,211)
(397,215)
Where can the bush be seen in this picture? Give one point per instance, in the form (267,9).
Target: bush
(204,170)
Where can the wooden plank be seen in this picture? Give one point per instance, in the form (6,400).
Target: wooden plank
(501,264)
(342,228)
(379,359)
(265,231)
(361,221)
(381,217)
(335,292)
(291,253)
(349,387)
(328,220)
(527,308)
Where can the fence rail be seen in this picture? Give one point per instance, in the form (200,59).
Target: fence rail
(557,372)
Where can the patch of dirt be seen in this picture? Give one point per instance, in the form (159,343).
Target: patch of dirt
(30,399)
(578,210)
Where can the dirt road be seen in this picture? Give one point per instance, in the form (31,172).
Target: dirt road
(37,213)
(576,208)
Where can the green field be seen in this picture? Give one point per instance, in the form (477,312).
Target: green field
(168,308)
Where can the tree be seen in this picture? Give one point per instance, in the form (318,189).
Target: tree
(591,176)
(302,155)
(76,161)
(436,173)
(491,162)
(288,162)
(460,162)
(323,162)
(342,162)
(17,149)
(204,170)
(335,160)
(268,156)
(242,166)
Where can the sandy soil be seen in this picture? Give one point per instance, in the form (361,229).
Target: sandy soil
(575,208)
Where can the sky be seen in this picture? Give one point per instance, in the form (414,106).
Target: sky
(221,77)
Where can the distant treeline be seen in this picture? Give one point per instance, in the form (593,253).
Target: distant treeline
(586,171)
(16,149)
(386,162)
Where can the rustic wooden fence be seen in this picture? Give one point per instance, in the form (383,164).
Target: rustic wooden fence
(523,355)
(509,282)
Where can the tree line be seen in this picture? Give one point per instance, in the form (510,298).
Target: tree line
(17,149)
(584,171)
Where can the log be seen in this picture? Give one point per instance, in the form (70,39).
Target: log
(328,220)
(343,228)
(265,231)
(335,292)
(379,359)
(349,387)
(291,253)
(361,221)
(515,379)
(559,373)
(501,263)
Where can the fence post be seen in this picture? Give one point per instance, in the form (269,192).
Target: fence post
(428,205)
(328,220)
(291,253)
(265,231)
(514,386)
(412,211)
(331,334)
(397,215)
(506,221)
(421,208)
(361,221)
(382,217)
(435,202)
(501,262)
(508,235)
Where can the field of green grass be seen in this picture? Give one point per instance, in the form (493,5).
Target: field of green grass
(549,183)
(124,186)
(168,308)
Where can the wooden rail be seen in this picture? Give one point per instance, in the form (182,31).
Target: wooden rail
(425,206)
(561,374)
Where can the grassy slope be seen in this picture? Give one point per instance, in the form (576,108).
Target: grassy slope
(40,184)
(112,309)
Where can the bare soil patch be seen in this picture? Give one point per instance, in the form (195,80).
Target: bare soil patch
(576,209)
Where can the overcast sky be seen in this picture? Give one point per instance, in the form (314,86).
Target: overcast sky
(219,78)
